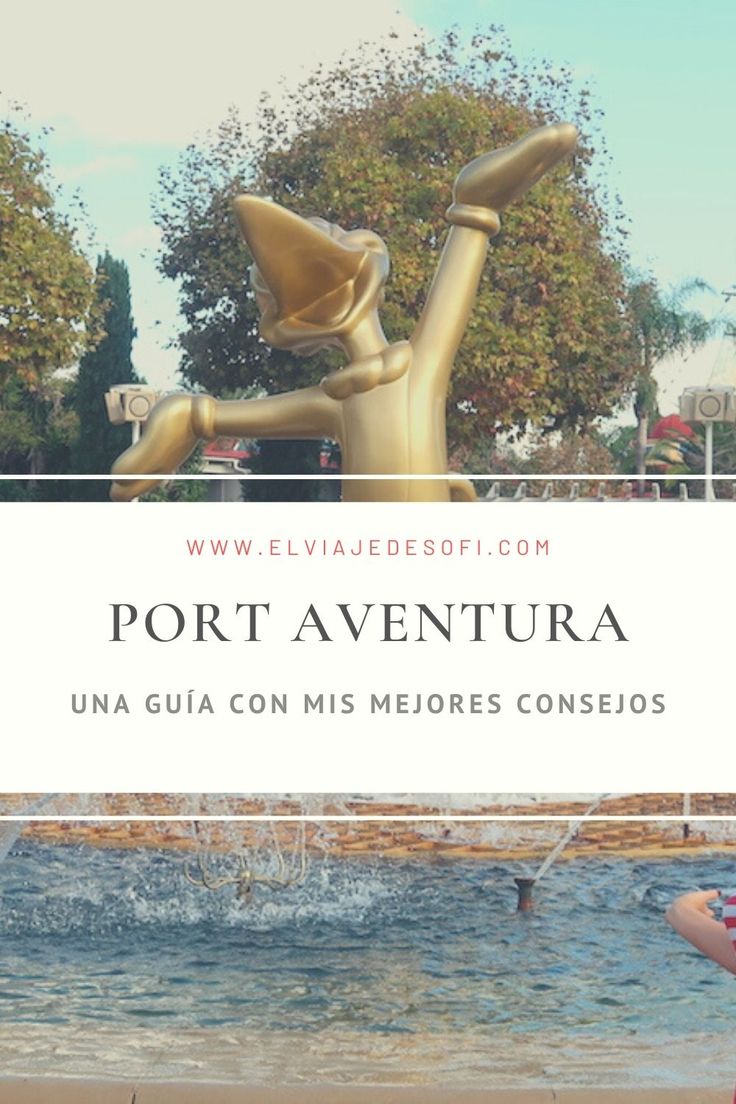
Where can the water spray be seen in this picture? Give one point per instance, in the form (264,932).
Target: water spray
(525,885)
(290,869)
(9,833)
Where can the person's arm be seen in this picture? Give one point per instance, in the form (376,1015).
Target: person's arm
(691,917)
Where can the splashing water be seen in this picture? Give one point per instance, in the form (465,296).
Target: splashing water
(370,971)
(10,830)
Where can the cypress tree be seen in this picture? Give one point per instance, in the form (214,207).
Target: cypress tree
(109,363)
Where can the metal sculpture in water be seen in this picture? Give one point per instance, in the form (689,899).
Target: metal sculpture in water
(277,869)
(319,286)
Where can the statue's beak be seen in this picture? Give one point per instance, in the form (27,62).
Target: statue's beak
(302,266)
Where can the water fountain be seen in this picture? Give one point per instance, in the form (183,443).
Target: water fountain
(282,867)
(367,971)
(525,884)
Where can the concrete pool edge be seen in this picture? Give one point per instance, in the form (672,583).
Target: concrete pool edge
(48,1090)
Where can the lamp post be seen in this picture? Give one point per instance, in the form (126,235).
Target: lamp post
(708,405)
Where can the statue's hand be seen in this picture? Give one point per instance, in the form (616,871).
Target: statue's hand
(491,182)
(177,423)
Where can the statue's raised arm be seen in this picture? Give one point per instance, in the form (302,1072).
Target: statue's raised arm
(483,189)
(320,286)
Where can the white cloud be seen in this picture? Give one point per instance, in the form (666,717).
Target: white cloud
(154,71)
(69,174)
(138,238)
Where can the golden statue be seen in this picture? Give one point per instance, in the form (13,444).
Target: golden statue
(318,285)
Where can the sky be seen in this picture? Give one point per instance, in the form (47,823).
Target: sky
(126,87)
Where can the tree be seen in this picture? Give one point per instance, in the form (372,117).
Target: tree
(660,326)
(37,429)
(109,362)
(46,299)
(376,142)
(563,452)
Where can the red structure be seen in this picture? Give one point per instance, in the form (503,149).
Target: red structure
(671,426)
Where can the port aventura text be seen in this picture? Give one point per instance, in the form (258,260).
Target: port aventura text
(387,622)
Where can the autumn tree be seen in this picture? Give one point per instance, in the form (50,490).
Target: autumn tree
(46,296)
(108,363)
(376,142)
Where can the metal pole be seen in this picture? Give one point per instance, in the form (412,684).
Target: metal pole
(686,813)
(135,433)
(709,492)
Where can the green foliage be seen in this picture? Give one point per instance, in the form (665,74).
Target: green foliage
(182,490)
(286,458)
(621,445)
(724,450)
(37,429)
(567,452)
(98,442)
(661,325)
(562,452)
(46,287)
(376,142)
(46,300)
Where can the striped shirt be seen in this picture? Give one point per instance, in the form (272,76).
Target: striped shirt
(729,917)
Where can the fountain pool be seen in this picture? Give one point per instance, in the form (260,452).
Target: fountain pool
(374,971)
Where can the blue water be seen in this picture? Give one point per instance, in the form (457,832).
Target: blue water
(390,947)
(113,965)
